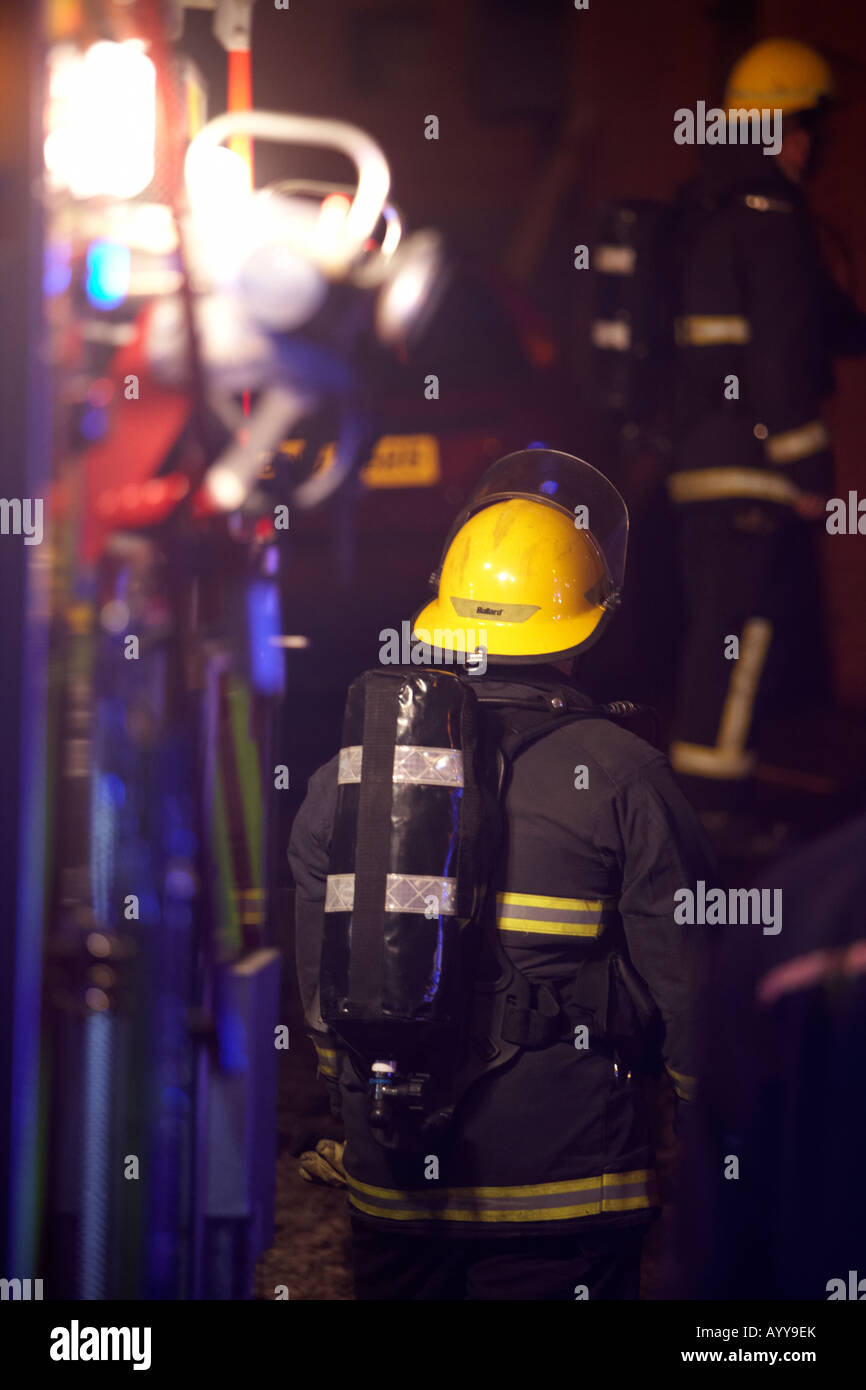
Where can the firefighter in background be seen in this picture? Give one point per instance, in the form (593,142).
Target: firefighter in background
(770,1201)
(545,1185)
(760,321)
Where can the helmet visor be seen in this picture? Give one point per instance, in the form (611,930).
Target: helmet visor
(568,484)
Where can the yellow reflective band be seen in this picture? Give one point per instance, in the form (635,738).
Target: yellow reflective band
(249,905)
(554,1201)
(327,1057)
(705,330)
(699,760)
(611,335)
(487,1215)
(558,904)
(528,924)
(758,203)
(685,1086)
(728,759)
(792,445)
(614,260)
(546,916)
(707,484)
(739,703)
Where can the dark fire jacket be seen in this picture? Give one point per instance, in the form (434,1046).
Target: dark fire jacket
(755,302)
(559,1138)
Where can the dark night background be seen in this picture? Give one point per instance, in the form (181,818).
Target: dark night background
(545,113)
(544,116)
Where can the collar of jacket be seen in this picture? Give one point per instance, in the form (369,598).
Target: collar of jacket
(729,170)
(540,683)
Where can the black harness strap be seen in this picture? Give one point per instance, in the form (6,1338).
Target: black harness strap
(373,845)
(514,744)
(536,1023)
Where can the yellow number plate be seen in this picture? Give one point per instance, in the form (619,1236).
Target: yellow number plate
(398,460)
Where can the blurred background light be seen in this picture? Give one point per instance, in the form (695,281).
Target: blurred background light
(101,120)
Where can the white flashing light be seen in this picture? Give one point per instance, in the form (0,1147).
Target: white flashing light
(101,120)
(216,179)
(220,198)
(226,490)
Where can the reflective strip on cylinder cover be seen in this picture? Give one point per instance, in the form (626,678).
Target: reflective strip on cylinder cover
(402,870)
(433,767)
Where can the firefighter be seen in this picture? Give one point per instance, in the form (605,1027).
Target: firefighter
(760,320)
(770,1199)
(544,1186)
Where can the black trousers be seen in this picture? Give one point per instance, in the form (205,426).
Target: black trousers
(556,1269)
(747,571)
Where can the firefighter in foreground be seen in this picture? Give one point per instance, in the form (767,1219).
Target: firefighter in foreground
(527,1171)
(760,322)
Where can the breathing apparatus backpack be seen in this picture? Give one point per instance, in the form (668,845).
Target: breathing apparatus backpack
(413,978)
(634,305)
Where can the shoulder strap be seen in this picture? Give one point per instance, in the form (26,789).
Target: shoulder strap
(515,744)
(510,1011)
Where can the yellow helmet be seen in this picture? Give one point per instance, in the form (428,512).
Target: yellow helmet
(533,565)
(779,74)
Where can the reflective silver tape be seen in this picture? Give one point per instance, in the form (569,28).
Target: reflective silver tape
(697,760)
(428,767)
(706,330)
(758,203)
(704,484)
(419,893)
(418,766)
(614,260)
(792,445)
(736,718)
(340,893)
(349,766)
(611,334)
(403,893)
